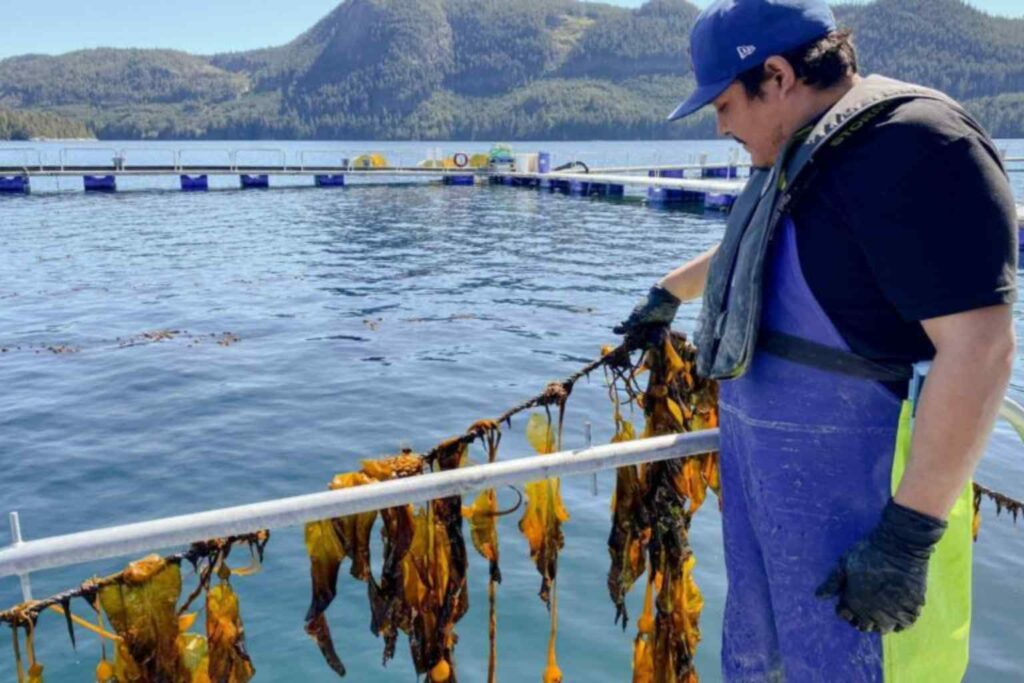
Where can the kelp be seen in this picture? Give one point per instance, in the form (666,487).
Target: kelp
(483,517)
(229,662)
(153,642)
(422,589)
(149,633)
(1002,502)
(631,529)
(34,672)
(435,577)
(542,519)
(541,524)
(142,609)
(653,504)
(328,542)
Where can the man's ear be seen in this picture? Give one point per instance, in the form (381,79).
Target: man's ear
(780,75)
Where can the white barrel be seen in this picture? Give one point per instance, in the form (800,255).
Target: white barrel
(526,163)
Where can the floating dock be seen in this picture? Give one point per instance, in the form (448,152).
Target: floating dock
(713,186)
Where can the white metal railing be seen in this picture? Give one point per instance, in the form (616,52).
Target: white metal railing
(23,557)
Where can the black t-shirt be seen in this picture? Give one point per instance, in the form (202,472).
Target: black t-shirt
(914,219)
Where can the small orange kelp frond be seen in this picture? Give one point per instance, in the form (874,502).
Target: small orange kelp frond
(482,516)
(643,645)
(541,434)
(23,618)
(228,660)
(405,464)
(552,672)
(545,513)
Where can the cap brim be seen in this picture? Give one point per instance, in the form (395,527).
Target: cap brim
(702,96)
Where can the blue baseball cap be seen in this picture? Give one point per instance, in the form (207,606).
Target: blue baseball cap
(732,36)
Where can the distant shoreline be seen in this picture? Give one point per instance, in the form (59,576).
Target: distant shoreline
(57,140)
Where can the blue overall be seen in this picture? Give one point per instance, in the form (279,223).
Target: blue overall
(807,462)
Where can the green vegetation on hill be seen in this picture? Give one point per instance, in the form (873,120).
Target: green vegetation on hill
(488,69)
(26,124)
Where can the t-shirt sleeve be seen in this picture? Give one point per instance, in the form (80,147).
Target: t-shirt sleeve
(939,232)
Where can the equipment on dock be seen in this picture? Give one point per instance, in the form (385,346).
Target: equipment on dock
(500,159)
(372,160)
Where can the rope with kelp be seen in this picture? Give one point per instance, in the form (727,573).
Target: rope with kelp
(151,636)
(421,589)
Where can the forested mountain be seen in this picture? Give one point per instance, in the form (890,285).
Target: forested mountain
(24,124)
(488,69)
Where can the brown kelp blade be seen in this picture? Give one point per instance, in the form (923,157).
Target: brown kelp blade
(628,538)
(328,543)
(325,555)
(675,401)
(229,662)
(353,531)
(427,571)
(545,513)
(388,609)
(318,630)
(435,576)
(483,517)
(142,608)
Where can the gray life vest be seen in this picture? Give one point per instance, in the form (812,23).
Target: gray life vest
(727,329)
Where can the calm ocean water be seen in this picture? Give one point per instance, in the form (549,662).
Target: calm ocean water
(366,319)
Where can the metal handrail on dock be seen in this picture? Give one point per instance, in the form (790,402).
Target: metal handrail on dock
(21,558)
(670,167)
(178,168)
(702,185)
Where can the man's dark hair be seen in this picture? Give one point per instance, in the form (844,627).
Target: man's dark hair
(821,63)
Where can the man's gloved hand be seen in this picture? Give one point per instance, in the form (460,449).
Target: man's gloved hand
(657,310)
(880,582)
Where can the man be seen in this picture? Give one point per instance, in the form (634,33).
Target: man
(877,230)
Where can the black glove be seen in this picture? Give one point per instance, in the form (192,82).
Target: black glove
(881,581)
(658,310)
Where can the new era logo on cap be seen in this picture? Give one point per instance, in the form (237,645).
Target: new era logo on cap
(732,36)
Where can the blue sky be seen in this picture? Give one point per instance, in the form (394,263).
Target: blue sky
(199,26)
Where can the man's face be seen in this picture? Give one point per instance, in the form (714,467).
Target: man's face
(756,123)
